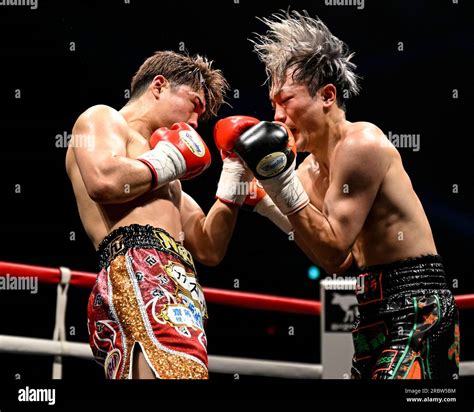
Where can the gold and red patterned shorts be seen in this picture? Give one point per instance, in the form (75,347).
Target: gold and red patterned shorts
(147,295)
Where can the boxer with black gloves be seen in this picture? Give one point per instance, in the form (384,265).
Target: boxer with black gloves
(237,184)
(269,151)
(352,200)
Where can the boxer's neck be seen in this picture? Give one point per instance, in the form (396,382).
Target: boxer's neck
(140,116)
(325,138)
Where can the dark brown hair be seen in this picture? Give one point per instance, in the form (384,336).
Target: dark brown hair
(178,69)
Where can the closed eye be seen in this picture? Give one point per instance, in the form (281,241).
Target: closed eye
(198,107)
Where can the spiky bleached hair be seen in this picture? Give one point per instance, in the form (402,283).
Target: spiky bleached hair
(300,42)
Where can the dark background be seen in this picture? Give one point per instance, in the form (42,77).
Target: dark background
(406,91)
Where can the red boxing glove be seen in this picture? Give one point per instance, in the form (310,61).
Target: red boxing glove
(233,183)
(226,132)
(177,153)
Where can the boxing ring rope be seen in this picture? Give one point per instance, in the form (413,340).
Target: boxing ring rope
(59,346)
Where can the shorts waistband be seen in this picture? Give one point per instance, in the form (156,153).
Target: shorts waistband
(377,282)
(118,241)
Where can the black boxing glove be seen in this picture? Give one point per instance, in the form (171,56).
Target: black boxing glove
(268,149)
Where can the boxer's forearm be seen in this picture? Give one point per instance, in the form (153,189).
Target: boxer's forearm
(306,249)
(268,209)
(316,237)
(119,180)
(215,232)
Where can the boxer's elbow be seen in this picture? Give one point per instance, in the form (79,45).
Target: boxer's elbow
(337,268)
(209,259)
(98,190)
(208,255)
(337,260)
(102,191)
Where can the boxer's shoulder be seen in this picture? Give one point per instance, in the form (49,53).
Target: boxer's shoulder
(100,111)
(370,139)
(363,133)
(101,121)
(363,139)
(101,114)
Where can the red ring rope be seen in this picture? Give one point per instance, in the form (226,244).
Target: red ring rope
(219,296)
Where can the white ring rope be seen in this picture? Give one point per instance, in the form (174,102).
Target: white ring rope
(259,367)
(59,347)
(218,364)
(19,345)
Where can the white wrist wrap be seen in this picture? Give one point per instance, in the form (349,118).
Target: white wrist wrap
(166,161)
(286,191)
(233,186)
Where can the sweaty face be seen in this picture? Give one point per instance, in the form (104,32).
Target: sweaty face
(295,107)
(182,104)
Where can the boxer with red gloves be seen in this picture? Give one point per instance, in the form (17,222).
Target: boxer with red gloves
(146,311)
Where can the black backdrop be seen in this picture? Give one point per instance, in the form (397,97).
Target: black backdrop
(44,85)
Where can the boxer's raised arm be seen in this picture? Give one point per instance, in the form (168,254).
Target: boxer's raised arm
(207,237)
(99,141)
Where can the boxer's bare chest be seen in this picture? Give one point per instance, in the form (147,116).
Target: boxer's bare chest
(314,180)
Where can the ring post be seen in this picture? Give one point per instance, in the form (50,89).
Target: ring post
(338,310)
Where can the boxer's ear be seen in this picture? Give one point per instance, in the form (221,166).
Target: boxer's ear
(158,83)
(328,94)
